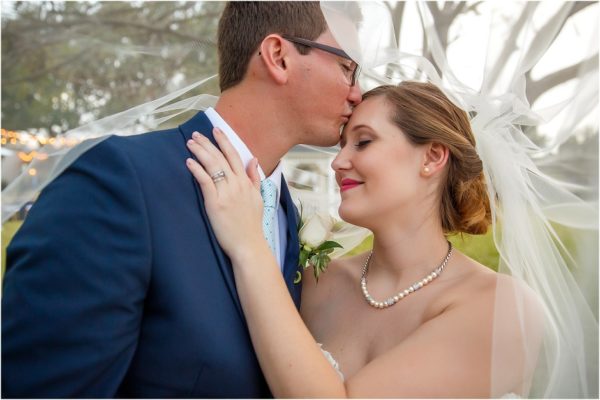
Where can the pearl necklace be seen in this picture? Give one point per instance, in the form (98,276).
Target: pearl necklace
(402,294)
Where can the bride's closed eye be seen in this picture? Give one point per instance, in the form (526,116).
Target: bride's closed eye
(362,143)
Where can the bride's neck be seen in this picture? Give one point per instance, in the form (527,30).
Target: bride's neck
(408,253)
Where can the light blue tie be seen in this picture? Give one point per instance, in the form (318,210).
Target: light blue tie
(268,191)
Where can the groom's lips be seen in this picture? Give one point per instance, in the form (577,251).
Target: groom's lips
(348,184)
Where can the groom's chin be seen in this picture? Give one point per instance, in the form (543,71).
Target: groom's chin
(329,141)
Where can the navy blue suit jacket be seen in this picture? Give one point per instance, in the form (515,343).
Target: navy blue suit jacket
(116,285)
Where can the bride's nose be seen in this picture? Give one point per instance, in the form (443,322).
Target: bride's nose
(341,161)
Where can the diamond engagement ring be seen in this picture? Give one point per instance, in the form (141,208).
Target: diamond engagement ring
(218,176)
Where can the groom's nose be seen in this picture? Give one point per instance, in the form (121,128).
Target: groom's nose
(355,95)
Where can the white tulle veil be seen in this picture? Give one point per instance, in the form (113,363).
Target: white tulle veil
(545,228)
(548,297)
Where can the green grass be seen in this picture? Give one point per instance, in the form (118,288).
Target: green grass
(8,231)
(481,248)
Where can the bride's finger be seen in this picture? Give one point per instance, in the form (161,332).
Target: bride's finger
(209,156)
(252,171)
(232,156)
(212,158)
(208,187)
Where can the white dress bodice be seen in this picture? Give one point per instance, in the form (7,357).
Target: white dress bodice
(332,361)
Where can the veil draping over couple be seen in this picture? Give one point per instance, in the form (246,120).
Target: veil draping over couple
(169,287)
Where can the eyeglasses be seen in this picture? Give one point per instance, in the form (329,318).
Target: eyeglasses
(351,72)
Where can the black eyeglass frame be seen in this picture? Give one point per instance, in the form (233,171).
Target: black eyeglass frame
(328,49)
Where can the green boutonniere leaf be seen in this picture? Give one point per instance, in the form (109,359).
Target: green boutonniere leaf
(328,245)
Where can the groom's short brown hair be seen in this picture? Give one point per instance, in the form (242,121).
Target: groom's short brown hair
(244,24)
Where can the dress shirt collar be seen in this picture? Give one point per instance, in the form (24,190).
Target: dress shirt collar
(245,154)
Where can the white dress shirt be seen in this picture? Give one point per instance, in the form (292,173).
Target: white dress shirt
(280,222)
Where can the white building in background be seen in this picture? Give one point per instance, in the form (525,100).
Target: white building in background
(312,180)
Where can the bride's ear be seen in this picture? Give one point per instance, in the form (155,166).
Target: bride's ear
(274,52)
(435,159)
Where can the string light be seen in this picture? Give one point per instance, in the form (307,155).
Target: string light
(29,140)
(27,157)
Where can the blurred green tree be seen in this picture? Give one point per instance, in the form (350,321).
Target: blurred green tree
(66,63)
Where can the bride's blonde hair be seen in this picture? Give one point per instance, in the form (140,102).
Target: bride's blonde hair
(425,115)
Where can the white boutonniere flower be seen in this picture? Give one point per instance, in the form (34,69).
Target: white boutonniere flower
(315,234)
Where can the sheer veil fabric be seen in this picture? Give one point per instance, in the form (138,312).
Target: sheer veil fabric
(153,113)
(541,285)
(545,228)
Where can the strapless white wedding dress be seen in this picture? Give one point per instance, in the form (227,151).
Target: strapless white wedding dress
(332,360)
(336,366)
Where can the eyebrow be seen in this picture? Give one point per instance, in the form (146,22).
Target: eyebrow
(362,126)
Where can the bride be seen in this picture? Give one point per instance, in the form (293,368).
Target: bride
(413,317)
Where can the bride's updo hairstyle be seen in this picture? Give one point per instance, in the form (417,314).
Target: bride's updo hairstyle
(425,115)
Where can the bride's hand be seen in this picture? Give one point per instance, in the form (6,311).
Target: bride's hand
(231,194)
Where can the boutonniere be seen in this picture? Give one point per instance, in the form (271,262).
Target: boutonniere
(315,234)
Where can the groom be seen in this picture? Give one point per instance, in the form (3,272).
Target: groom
(115,284)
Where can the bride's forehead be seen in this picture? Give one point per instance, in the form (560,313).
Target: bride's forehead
(372,107)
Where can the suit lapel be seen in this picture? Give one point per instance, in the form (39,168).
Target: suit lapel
(290,266)
(201,123)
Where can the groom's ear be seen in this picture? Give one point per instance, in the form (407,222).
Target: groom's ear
(435,159)
(275,54)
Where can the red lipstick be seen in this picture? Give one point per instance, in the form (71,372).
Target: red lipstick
(348,184)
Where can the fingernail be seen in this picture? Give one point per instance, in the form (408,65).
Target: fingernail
(217,131)
(190,142)
(195,135)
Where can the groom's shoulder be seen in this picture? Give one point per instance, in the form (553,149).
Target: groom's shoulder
(147,147)
(165,141)
(146,140)
(160,149)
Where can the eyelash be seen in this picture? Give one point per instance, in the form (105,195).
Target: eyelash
(362,143)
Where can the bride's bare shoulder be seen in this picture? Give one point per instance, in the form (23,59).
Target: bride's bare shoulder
(497,298)
(478,281)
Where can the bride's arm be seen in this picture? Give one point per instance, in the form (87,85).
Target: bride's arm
(289,356)
(291,360)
